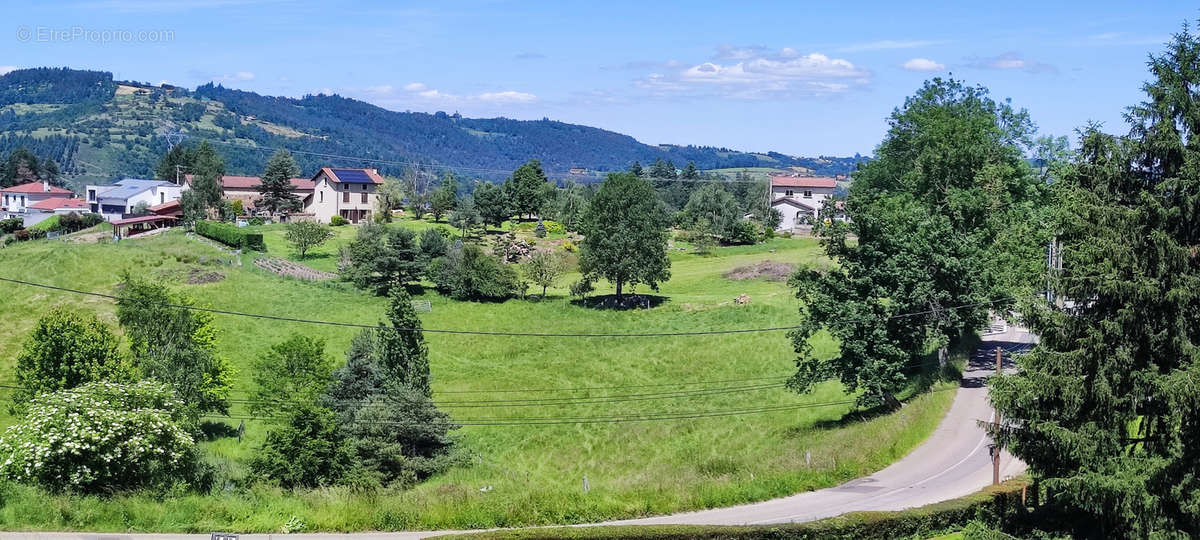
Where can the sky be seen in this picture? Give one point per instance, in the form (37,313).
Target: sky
(801,78)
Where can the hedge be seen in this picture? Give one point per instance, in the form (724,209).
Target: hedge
(230,235)
(993,505)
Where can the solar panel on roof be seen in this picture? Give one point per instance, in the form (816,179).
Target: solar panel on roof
(352,176)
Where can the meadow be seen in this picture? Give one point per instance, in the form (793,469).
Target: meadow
(510,474)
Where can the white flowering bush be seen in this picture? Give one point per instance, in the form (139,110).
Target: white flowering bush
(100,437)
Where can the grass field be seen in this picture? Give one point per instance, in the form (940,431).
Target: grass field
(514,475)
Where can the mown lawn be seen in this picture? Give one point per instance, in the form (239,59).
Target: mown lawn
(513,475)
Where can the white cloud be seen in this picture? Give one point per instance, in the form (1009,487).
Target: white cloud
(6,69)
(888,44)
(923,64)
(508,96)
(785,74)
(239,76)
(1012,61)
(414,87)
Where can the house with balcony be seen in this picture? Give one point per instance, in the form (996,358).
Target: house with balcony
(800,199)
(349,193)
(121,198)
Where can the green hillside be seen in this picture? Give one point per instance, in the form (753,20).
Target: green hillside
(98,129)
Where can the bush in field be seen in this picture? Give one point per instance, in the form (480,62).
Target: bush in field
(295,369)
(433,244)
(305,235)
(230,235)
(65,350)
(467,273)
(380,258)
(338,221)
(101,437)
(304,448)
(544,268)
(11,225)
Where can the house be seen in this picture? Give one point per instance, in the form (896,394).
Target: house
(47,208)
(15,199)
(349,193)
(246,189)
(800,199)
(120,198)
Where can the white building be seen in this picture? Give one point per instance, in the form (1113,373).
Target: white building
(800,199)
(120,198)
(349,193)
(17,199)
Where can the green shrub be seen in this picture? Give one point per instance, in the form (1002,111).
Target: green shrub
(29,234)
(304,448)
(570,247)
(101,437)
(65,350)
(230,235)
(338,221)
(257,221)
(742,232)
(11,225)
(467,273)
(554,227)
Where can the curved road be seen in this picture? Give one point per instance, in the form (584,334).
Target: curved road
(954,462)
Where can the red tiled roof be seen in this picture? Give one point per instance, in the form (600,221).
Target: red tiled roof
(141,219)
(371,173)
(36,187)
(252,182)
(55,203)
(164,206)
(803,181)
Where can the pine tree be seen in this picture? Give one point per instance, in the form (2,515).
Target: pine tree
(1105,409)
(636,168)
(403,355)
(278,194)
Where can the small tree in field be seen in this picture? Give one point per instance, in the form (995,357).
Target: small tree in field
(544,268)
(66,350)
(305,235)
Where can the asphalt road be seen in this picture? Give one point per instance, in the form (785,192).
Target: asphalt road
(954,462)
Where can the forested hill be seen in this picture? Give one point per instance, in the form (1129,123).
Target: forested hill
(98,129)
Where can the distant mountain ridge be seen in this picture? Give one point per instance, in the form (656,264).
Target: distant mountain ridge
(98,129)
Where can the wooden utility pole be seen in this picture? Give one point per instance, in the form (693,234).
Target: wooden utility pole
(996,444)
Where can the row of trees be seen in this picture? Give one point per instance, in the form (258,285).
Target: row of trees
(22,166)
(951,220)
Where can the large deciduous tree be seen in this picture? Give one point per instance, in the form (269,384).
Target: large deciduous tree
(1106,408)
(526,189)
(492,203)
(625,234)
(950,178)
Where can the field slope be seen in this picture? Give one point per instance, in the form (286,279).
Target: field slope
(512,475)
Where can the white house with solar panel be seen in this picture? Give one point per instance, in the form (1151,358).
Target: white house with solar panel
(350,193)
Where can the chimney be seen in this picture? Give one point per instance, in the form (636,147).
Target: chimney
(45,186)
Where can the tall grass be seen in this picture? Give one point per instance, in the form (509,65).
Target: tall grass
(513,475)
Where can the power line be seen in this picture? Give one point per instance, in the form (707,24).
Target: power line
(508,334)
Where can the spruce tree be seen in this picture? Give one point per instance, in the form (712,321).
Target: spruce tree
(278,194)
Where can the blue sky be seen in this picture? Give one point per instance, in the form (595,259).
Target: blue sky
(796,77)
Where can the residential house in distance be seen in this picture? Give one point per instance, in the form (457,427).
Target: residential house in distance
(116,200)
(800,198)
(16,199)
(246,189)
(350,193)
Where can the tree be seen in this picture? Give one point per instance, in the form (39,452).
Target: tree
(22,166)
(380,258)
(544,268)
(443,199)
(662,169)
(492,202)
(465,272)
(773,219)
(101,438)
(949,178)
(174,345)
(636,168)
(390,197)
(278,193)
(713,205)
(526,188)
(690,172)
(416,188)
(401,349)
(294,370)
(625,234)
(65,350)
(433,244)
(1103,409)
(304,448)
(465,216)
(305,235)
(572,204)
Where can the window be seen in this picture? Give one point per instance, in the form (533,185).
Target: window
(364,196)
(320,196)
(162,197)
(808,194)
(345,196)
(789,193)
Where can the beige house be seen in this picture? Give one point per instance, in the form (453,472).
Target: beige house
(350,193)
(246,189)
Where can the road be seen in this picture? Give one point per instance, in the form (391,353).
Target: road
(954,462)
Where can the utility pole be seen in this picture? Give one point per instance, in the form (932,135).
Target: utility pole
(996,444)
